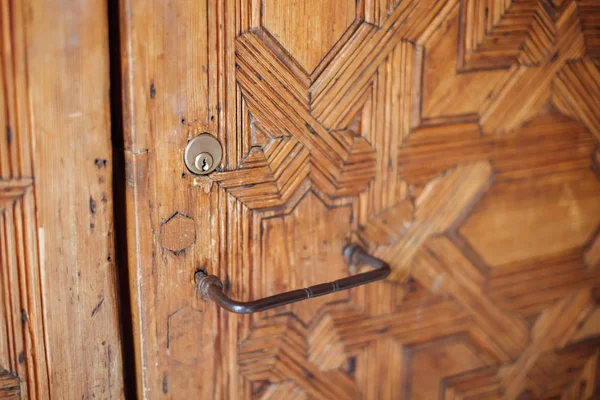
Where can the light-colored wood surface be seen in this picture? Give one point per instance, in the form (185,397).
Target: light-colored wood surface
(59,336)
(457,140)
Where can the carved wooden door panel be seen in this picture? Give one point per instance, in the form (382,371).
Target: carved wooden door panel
(456,140)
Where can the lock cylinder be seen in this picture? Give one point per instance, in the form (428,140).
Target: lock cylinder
(203,154)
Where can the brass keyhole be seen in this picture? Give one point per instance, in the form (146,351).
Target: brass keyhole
(203,162)
(203,154)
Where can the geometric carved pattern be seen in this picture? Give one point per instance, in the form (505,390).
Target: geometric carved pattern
(551,331)
(312,146)
(178,233)
(337,165)
(443,269)
(526,88)
(576,89)
(278,354)
(451,138)
(499,34)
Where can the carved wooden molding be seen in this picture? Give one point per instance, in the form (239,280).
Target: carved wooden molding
(10,386)
(11,190)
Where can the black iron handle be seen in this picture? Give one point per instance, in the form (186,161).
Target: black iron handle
(212,287)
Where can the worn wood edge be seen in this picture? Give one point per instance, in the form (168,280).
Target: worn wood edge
(135,164)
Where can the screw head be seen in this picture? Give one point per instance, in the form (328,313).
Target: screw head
(202,154)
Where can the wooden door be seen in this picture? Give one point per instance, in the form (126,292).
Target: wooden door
(59,319)
(456,140)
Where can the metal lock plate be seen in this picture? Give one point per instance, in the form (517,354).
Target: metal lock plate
(203,154)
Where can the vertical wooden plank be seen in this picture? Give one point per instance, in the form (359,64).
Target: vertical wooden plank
(68,90)
(171,93)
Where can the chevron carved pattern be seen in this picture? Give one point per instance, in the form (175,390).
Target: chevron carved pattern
(501,33)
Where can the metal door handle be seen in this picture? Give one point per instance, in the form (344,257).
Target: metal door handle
(212,287)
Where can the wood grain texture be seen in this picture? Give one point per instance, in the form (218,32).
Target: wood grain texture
(9,386)
(320,23)
(457,140)
(59,336)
